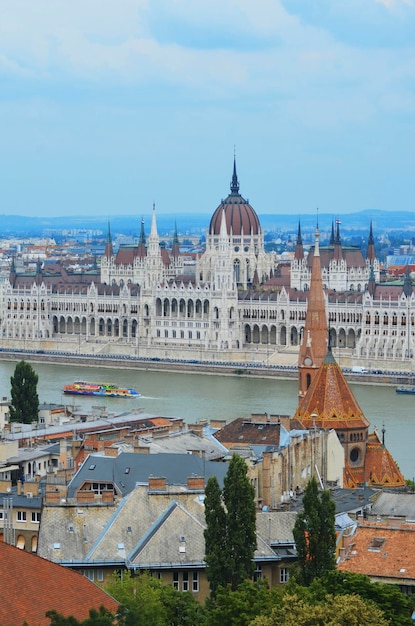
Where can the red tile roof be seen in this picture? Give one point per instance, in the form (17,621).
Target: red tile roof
(250,431)
(382,552)
(329,401)
(30,586)
(381,465)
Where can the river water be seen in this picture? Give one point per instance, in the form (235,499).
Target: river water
(201,396)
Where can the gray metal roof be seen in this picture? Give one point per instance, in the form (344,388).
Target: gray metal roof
(147,530)
(128,469)
(395,505)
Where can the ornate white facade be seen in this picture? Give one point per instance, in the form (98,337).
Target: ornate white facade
(234,307)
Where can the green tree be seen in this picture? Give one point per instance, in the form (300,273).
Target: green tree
(145,601)
(230,535)
(239,607)
(333,611)
(24,406)
(217,567)
(314,534)
(396,606)
(102,617)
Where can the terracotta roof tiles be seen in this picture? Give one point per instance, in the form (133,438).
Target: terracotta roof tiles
(32,585)
(382,552)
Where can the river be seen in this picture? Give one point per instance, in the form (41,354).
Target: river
(200,396)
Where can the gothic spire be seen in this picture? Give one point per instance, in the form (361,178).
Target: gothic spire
(337,239)
(313,348)
(299,250)
(154,232)
(371,252)
(142,233)
(108,246)
(234,181)
(175,249)
(332,238)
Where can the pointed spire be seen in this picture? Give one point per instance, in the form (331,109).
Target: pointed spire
(371,239)
(109,252)
(316,244)
(313,348)
(332,239)
(299,237)
(142,239)
(338,253)
(223,228)
(153,222)
(299,250)
(371,251)
(337,241)
(234,181)
(175,237)
(175,249)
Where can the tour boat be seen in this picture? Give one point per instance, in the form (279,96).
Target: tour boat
(407,389)
(106,390)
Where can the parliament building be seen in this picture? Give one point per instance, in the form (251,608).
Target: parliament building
(234,302)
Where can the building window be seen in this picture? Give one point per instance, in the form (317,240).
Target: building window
(21,516)
(284,575)
(258,571)
(100,575)
(36,517)
(185,581)
(176,581)
(195,581)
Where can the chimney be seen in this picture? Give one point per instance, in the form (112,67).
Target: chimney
(196,483)
(157,483)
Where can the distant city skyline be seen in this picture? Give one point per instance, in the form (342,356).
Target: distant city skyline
(106,108)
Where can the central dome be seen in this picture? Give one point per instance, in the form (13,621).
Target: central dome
(240,216)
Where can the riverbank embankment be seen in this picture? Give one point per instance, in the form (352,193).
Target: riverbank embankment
(198,367)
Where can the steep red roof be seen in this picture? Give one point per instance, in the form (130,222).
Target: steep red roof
(382,552)
(382,466)
(31,586)
(329,401)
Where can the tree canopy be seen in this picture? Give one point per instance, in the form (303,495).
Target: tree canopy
(145,600)
(230,535)
(314,534)
(24,406)
(347,610)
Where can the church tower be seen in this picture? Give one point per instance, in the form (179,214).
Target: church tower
(313,347)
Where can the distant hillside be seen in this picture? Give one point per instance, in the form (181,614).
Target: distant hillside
(383,221)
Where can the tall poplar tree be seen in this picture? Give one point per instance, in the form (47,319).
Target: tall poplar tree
(315,534)
(230,535)
(24,406)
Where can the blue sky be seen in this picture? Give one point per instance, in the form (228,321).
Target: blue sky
(107,106)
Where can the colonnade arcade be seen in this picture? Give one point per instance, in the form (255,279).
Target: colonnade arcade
(95,327)
(182,307)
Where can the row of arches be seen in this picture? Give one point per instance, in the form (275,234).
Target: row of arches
(100,327)
(173,307)
(385,318)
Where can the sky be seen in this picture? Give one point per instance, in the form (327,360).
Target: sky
(109,106)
